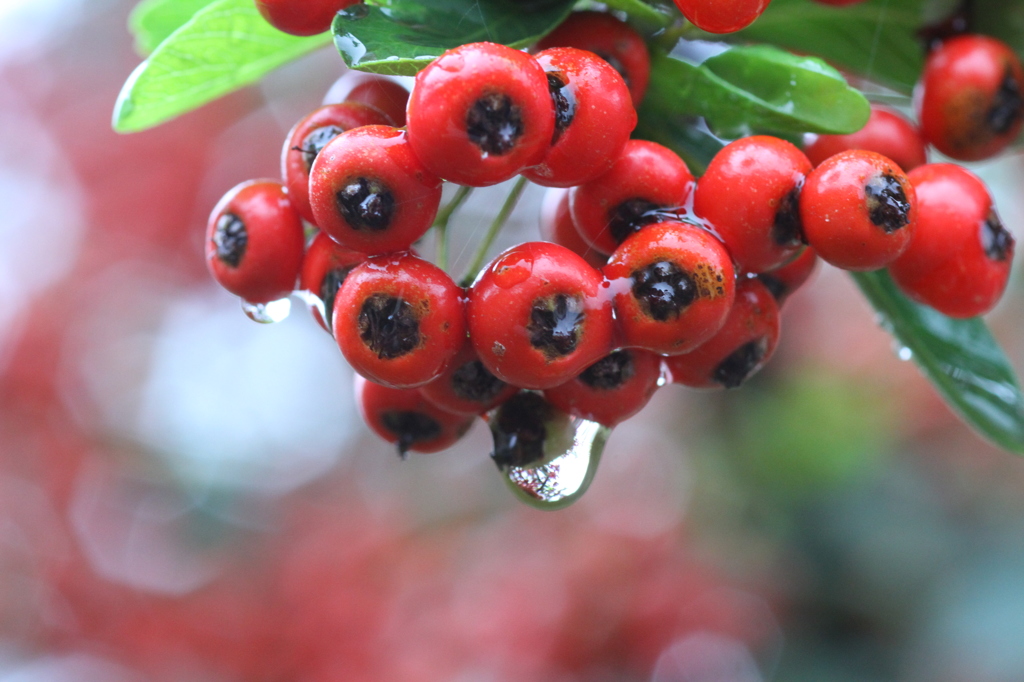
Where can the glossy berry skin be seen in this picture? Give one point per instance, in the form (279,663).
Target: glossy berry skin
(858,210)
(539,315)
(324,269)
(740,348)
(785,280)
(611,390)
(369,89)
(399,320)
(646,178)
(722,16)
(886,133)
(467,386)
(750,193)
(970,100)
(556,226)
(481,113)
(309,136)
(959,259)
(672,286)
(301,17)
(254,242)
(370,193)
(403,417)
(610,39)
(594,116)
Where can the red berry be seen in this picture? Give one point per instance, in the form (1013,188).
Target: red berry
(594,116)
(403,417)
(538,315)
(645,179)
(750,194)
(970,102)
(958,261)
(672,285)
(254,242)
(481,113)
(301,17)
(611,390)
(783,281)
(610,39)
(324,268)
(309,137)
(739,349)
(556,226)
(399,320)
(370,193)
(886,133)
(858,210)
(467,386)
(380,92)
(722,16)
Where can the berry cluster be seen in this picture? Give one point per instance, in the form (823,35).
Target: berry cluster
(647,275)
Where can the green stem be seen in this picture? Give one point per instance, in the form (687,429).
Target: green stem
(492,232)
(441,224)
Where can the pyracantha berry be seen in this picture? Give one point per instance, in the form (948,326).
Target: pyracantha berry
(399,320)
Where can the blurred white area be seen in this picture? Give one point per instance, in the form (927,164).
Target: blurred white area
(135,532)
(706,657)
(67,668)
(27,25)
(231,403)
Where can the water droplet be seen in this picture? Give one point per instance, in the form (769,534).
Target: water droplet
(351,48)
(904,353)
(355,12)
(267,313)
(564,450)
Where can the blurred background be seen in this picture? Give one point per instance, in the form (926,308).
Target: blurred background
(187,495)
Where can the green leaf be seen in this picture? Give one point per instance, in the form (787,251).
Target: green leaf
(680,134)
(225,46)
(406,35)
(153,20)
(641,13)
(758,89)
(1003,19)
(960,357)
(876,39)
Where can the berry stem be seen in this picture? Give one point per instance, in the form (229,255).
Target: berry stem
(492,232)
(441,224)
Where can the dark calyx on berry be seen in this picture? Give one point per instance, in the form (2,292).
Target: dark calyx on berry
(555,323)
(410,428)
(564,100)
(519,430)
(741,363)
(388,326)
(475,383)
(775,286)
(888,206)
(315,142)
(630,216)
(329,286)
(366,204)
(230,238)
(664,290)
(996,239)
(610,372)
(494,123)
(1007,106)
(787,229)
